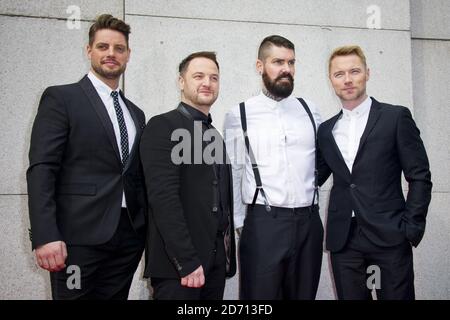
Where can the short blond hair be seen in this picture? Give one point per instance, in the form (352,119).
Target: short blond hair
(345,51)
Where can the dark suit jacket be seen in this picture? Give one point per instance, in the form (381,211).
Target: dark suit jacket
(75,179)
(390,145)
(182,226)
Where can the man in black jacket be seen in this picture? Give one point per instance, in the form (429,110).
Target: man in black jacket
(190,248)
(367,146)
(85,185)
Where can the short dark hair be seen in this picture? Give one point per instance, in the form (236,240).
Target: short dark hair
(107,21)
(273,40)
(184,64)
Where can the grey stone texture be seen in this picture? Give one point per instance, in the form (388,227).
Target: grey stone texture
(430,19)
(349,13)
(430,50)
(61,9)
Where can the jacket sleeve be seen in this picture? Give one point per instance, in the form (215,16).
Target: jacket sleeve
(162,178)
(48,139)
(323,169)
(415,166)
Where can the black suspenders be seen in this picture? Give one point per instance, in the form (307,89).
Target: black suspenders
(316,173)
(258,181)
(259,187)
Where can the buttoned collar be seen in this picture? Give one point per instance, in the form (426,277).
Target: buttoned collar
(99,85)
(271,103)
(359,111)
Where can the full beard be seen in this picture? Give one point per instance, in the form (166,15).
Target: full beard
(278,88)
(109,74)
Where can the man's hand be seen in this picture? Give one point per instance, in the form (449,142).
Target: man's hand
(196,279)
(52,256)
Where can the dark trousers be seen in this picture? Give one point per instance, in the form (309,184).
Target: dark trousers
(105,271)
(281,253)
(355,269)
(171,289)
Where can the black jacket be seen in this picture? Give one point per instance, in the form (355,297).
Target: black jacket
(182,225)
(75,178)
(390,145)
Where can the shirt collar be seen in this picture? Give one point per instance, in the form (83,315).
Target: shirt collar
(99,85)
(198,115)
(359,110)
(271,103)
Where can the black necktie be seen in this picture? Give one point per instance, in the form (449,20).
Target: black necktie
(122,127)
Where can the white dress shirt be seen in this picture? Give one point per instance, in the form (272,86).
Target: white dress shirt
(282,138)
(104,91)
(348,130)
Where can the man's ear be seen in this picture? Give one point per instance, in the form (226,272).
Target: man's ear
(129,53)
(259,66)
(181,82)
(367,74)
(88,51)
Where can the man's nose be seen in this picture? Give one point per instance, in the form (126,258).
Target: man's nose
(111,51)
(206,82)
(347,78)
(285,68)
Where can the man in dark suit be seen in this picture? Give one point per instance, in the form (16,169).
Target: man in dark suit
(191,247)
(370,226)
(86,193)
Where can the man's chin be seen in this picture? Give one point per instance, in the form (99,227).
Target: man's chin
(349,97)
(283,92)
(112,74)
(207,101)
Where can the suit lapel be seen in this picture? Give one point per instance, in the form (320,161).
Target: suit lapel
(138,127)
(374,115)
(333,142)
(182,109)
(100,109)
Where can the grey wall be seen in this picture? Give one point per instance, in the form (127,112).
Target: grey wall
(430,47)
(408,56)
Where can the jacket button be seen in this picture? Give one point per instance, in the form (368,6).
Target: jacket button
(215,182)
(353,186)
(215,209)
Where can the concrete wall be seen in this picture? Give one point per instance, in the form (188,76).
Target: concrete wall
(430,32)
(39,49)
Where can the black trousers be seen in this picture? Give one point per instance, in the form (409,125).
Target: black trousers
(281,253)
(105,271)
(362,266)
(215,273)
